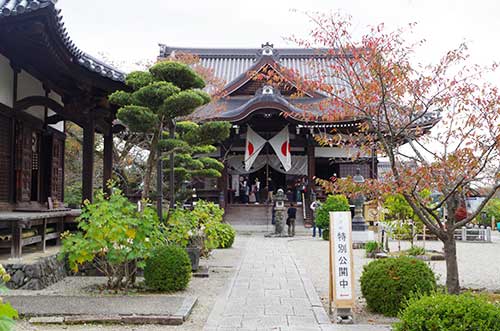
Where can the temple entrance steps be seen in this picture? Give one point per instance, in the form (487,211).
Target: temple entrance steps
(252,218)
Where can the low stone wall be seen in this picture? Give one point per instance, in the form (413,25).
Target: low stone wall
(37,275)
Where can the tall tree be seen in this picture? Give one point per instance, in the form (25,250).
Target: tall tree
(396,100)
(156,99)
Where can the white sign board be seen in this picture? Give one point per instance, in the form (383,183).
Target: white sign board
(341,262)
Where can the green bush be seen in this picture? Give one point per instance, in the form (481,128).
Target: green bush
(205,220)
(168,269)
(333,203)
(449,312)
(7,312)
(492,209)
(386,283)
(114,237)
(415,250)
(225,234)
(73,194)
(372,246)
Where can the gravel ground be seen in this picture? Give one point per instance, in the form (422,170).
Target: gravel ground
(477,262)
(222,263)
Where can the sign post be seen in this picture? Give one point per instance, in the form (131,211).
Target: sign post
(342,295)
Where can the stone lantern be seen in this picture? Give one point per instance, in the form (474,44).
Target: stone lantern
(358,221)
(279,207)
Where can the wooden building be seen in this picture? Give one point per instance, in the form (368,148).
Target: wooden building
(248,102)
(45,80)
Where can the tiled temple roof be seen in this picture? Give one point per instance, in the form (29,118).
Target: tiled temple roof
(229,63)
(233,66)
(11,8)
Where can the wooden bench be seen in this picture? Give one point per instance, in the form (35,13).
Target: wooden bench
(27,228)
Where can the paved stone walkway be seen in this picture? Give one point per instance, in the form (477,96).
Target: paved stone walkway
(269,292)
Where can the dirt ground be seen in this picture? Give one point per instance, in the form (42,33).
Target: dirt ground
(223,263)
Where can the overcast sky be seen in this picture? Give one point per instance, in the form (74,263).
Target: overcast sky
(130,30)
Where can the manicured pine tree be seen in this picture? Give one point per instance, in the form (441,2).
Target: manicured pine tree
(155,101)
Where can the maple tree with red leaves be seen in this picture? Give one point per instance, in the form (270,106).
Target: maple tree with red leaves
(396,103)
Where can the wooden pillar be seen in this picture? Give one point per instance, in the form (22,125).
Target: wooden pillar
(311,173)
(311,165)
(223,181)
(16,246)
(12,170)
(107,159)
(88,160)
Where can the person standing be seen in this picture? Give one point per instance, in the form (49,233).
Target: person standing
(257,190)
(290,221)
(246,188)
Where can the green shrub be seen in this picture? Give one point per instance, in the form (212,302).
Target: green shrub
(326,234)
(205,220)
(449,312)
(415,250)
(226,234)
(333,203)
(372,246)
(492,209)
(114,237)
(168,269)
(7,312)
(386,283)
(73,194)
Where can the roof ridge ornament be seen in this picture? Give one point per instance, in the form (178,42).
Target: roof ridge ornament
(268,90)
(267,49)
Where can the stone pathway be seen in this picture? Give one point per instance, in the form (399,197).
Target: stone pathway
(269,292)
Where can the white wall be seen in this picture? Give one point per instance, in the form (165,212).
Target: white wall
(57,98)
(6,82)
(28,86)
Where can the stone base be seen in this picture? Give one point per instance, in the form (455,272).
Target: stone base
(36,275)
(201,272)
(360,238)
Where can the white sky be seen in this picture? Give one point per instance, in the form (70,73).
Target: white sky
(130,30)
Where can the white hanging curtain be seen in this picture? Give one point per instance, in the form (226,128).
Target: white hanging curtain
(253,146)
(236,164)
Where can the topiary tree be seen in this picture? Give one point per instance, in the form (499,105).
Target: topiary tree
(449,312)
(386,283)
(156,99)
(191,145)
(336,202)
(168,269)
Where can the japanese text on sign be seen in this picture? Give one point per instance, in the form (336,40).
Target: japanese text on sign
(341,247)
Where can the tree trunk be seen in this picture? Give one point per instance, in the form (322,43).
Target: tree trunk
(149,166)
(172,167)
(450,254)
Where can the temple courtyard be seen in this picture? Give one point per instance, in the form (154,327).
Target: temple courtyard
(279,284)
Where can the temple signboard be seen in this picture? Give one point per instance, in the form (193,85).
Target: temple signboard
(341,261)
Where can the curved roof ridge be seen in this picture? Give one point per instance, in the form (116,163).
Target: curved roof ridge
(12,8)
(225,52)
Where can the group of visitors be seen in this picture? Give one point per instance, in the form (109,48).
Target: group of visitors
(296,190)
(254,192)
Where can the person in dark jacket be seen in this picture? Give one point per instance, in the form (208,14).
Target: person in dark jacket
(290,221)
